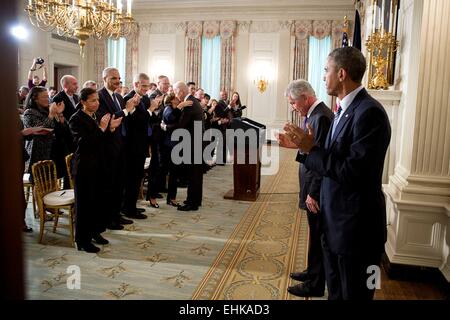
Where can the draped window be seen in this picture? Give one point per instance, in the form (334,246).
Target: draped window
(318,52)
(196,32)
(117,50)
(210,79)
(326,35)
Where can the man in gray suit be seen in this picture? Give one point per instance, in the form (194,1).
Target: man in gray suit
(318,117)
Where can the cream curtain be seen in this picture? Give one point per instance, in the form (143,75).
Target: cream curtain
(228,56)
(194,51)
(99,60)
(132,57)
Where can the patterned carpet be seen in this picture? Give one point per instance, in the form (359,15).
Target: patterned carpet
(265,247)
(226,250)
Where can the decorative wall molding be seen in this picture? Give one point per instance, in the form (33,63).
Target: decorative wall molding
(285,25)
(244,26)
(181,27)
(265,27)
(163,28)
(145,27)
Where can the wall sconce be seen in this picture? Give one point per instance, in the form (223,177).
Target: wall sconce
(261,72)
(261,84)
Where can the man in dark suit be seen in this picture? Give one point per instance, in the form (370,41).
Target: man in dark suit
(113,103)
(223,112)
(136,144)
(192,117)
(318,116)
(69,85)
(352,202)
(157,171)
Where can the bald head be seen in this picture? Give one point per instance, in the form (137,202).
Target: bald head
(69,84)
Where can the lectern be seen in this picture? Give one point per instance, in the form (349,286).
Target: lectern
(247,140)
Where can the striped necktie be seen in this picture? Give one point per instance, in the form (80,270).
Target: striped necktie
(116,103)
(336,120)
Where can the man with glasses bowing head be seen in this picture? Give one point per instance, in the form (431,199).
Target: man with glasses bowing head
(352,203)
(317,115)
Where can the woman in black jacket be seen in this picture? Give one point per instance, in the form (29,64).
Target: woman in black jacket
(171,117)
(62,145)
(88,170)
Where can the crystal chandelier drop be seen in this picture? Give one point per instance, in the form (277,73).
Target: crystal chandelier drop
(82,19)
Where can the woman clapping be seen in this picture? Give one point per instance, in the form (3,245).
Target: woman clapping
(88,170)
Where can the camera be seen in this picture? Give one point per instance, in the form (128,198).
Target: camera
(39,61)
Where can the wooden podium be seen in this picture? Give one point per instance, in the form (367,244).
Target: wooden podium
(246,176)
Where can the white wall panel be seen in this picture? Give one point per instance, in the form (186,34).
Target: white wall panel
(263,60)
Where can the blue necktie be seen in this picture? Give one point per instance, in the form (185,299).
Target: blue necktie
(149,130)
(336,121)
(116,103)
(305,124)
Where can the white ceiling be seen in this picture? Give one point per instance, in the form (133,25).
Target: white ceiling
(158,10)
(145,4)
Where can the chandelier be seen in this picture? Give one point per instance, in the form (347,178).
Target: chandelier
(82,19)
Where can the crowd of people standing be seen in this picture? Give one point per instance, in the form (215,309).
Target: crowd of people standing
(110,133)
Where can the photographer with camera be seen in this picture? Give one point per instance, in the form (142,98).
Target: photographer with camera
(33,80)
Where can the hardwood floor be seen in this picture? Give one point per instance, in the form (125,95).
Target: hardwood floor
(410,283)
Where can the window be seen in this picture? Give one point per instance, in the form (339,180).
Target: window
(117,55)
(210,80)
(318,53)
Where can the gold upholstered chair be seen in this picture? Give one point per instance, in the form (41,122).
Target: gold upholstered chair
(50,198)
(69,169)
(29,191)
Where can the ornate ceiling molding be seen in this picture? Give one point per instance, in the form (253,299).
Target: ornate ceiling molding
(252,10)
(144,27)
(163,27)
(181,27)
(244,26)
(264,27)
(285,25)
